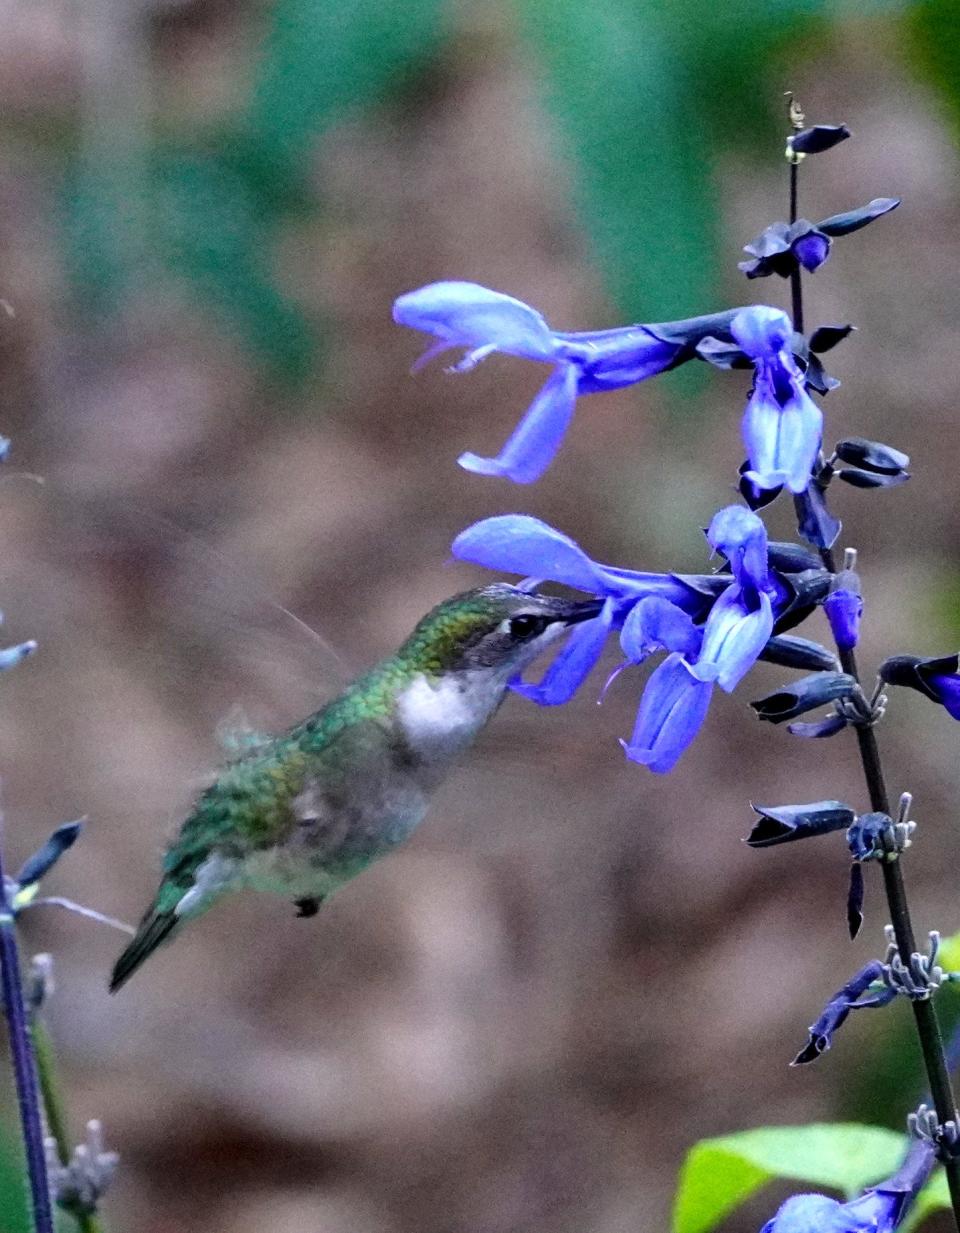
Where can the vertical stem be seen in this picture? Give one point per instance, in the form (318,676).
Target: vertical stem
(924,1014)
(56,1118)
(24,1069)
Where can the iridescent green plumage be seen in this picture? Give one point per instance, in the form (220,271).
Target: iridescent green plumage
(303,812)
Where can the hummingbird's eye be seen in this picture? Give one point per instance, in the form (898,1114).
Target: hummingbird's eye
(527,626)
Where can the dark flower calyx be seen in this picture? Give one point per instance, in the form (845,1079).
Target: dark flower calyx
(804,695)
(804,592)
(790,652)
(871,456)
(826,337)
(864,838)
(936,678)
(785,823)
(853,220)
(858,478)
(819,729)
(783,248)
(47,856)
(818,138)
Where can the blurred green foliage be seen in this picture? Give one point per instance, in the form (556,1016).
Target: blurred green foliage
(719,1175)
(645,97)
(13,1192)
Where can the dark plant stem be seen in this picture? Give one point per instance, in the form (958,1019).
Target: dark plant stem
(24,1067)
(924,1014)
(796,286)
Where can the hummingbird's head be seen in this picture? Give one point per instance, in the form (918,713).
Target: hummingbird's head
(496,629)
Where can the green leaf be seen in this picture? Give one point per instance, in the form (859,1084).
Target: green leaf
(934,1197)
(948,956)
(721,1174)
(320,59)
(13,1186)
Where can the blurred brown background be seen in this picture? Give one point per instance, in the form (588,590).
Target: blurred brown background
(575,969)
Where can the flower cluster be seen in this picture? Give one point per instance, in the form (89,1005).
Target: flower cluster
(713,627)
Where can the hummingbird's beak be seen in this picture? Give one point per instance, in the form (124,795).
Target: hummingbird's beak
(584,611)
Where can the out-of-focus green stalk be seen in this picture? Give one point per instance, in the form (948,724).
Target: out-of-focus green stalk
(53,1108)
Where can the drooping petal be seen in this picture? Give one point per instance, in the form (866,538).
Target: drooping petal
(655,624)
(801,430)
(469,315)
(672,710)
(534,442)
(733,638)
(782,438)
(573,664)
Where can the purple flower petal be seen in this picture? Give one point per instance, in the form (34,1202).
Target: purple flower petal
(742,538)
(733,638)
(465,314)
(672,710)
(761,331)
(655,624)
(536,439)
(519,544)
(573,664)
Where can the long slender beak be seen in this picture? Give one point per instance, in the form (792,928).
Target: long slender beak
(584,611)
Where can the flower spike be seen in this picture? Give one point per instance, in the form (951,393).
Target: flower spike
(480,321)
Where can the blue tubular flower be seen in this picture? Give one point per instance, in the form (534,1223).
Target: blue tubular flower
(879,1210)
(782,425)
(733,638)
(938,678)
(741,621)
(519,544)
(574,663)
(656,624)
(462,314)
(672,710)
(844,608)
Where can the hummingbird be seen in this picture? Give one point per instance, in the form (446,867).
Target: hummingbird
(301,813)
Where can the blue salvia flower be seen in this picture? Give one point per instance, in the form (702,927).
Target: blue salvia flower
(677,695)
(467,315)
(844,608)
(519,544)
(880,1209)
(672,710)
(782,425)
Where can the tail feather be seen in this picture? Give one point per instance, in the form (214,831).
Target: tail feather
(155,928)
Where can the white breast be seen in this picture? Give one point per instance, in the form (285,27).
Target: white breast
(440,717)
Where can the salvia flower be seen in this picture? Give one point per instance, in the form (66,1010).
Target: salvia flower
(782,425)
(868,981)
(782,248)
(880,1209)
(672,710)
(937,679)
(844,608)
(467,315)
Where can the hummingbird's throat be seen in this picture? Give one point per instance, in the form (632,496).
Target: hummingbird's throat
(441,716)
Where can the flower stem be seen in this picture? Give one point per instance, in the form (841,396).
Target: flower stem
(924,1014)
(24,1069)
(46,1061)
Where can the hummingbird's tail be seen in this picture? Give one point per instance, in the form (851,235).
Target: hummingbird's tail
(155,928)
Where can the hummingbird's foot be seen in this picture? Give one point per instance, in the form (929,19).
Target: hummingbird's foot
(309,906)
